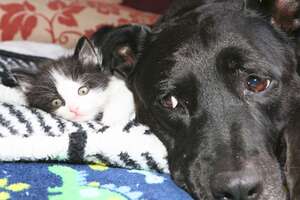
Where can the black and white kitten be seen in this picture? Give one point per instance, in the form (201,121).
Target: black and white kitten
(75,88)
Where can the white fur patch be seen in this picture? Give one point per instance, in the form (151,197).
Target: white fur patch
(116,101)
(119,107)
(88,106)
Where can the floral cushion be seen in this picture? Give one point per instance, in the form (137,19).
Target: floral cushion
(63,21)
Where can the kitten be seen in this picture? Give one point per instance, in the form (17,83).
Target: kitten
(77,88)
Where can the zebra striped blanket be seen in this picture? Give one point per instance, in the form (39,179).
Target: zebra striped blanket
(29,134)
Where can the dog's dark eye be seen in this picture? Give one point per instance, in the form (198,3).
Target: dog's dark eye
(257,84)
(170,102)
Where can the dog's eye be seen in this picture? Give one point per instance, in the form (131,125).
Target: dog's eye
(257,84)
(169,102)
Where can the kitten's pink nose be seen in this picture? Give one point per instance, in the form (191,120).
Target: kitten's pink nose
(74,110)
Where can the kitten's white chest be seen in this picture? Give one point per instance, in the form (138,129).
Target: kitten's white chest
(119,107)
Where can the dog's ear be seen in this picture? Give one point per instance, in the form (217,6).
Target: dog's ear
(282,13)
(121,47)
(86,53)
(286,14)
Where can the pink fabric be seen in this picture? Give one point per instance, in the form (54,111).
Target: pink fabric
(63,21)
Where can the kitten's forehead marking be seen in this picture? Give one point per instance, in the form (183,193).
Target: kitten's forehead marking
(65,86)
(59,77)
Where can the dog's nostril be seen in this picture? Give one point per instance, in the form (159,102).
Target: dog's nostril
(238,195)
(235,186)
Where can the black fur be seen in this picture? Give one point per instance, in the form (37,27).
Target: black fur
(223,140)
(109,40)
(288,17)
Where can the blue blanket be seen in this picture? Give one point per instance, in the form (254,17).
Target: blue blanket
(84,182)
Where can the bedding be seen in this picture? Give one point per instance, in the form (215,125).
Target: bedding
(59,159)
(64,21)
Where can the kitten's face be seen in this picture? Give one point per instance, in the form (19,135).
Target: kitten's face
(71,87)
(77,100)
(68,89)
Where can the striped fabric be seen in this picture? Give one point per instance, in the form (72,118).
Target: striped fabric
(30,134)
(10,60)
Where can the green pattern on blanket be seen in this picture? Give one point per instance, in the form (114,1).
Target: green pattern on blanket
(73,187)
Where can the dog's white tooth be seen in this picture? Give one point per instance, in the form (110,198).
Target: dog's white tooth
(174,102)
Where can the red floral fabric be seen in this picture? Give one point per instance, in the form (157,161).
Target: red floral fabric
(61,21)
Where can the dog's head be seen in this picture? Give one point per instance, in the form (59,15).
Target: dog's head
(216,85)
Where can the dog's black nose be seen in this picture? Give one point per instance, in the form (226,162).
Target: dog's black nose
(236,186)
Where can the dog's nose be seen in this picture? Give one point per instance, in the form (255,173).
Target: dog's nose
(236,186)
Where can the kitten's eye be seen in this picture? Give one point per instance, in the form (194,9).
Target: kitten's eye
(84,90)
(57,103)
(257,84)
(170,102)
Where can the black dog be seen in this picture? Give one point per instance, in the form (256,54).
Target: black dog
(218,85)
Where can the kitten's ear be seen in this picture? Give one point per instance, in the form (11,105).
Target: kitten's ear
(86,53)
(121,47)
(24,78)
